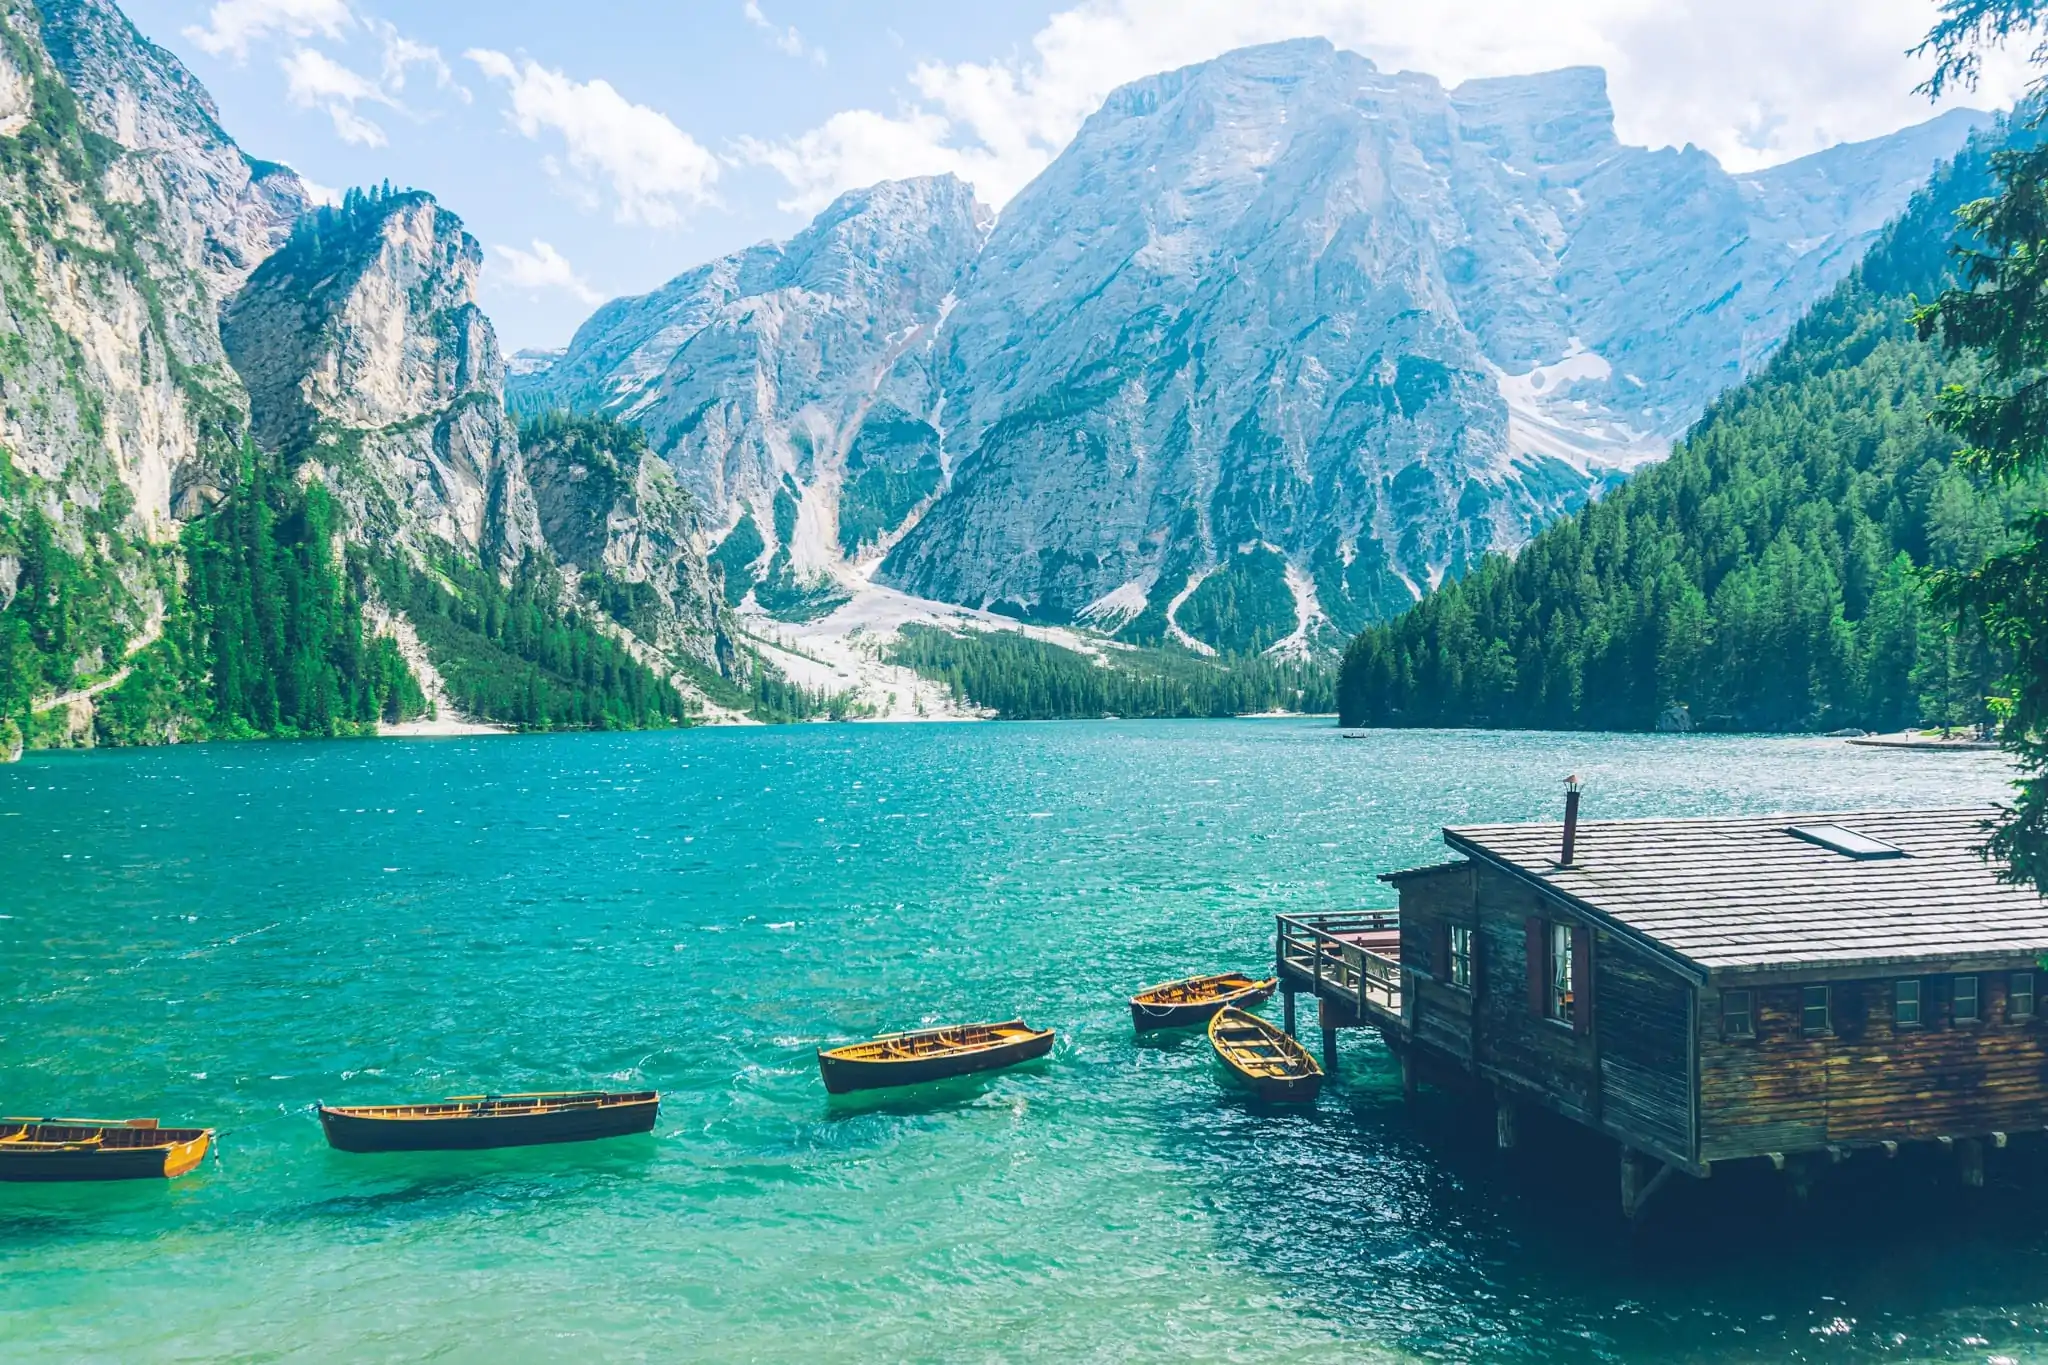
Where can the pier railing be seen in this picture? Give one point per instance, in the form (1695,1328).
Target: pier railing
(1341,954)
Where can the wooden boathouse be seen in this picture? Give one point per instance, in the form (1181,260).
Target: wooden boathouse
(1788,988)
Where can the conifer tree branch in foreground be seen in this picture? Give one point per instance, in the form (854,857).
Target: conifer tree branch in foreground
(1998,312)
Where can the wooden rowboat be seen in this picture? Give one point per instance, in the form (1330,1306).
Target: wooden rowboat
(930,1055)
(473,1122)
(1278,1069)
(1195,1000)
(98,1149)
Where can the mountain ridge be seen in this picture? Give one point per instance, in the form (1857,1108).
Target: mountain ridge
(1280,303)
(256,472)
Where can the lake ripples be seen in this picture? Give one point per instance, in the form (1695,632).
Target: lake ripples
(225,934)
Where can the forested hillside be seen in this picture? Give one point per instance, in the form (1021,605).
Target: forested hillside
(1021,678)
(1766,576)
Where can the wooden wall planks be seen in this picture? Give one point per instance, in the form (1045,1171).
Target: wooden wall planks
(1865,1079)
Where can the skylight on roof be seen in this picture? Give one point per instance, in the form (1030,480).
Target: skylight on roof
(1846,841)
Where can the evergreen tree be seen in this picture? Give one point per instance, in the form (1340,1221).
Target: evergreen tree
(1021,678)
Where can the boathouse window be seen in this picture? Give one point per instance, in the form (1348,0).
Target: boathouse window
(1461,956)
(1906,1004)
(2019,996)
(1965,1000)
(1560,997)
(1738,1019)
(1813,1009)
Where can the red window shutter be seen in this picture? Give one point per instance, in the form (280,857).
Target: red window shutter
(1440,952)
(1536,945)
(1582,979)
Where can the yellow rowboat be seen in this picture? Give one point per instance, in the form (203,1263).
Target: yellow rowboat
(930,1055)
(1278,1069)
(475,1122)
(98,1149)
(1195,1000)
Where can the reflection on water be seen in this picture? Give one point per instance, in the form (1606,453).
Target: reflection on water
(224,934)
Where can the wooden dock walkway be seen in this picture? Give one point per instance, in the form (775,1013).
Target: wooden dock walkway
(1349,961)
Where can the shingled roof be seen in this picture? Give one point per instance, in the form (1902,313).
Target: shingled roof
(1749,893)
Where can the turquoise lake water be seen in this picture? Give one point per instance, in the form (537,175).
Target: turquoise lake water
(224,934)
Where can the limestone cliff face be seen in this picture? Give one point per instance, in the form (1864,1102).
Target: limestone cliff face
(126,216)
(181,216)
(223,211)
(624,529)
(366,355)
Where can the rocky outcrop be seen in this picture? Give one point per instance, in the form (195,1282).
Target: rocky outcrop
(223,211)
(627,533)
(367,357)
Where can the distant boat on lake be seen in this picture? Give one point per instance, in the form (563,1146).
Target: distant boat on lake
(98,1149)
(930,1055)
(1276,1067)
(1195,1000)
(475,1122)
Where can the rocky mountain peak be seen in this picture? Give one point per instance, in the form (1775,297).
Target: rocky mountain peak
(363,348)
(870,239)
(1553,119)
(228,211)
(755,377)
(1322,333)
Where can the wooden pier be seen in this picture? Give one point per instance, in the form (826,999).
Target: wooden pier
(1350,961)
(1792,989)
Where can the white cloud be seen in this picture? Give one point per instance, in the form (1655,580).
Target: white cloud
(859,146)
(401,54)
(232,25)
(316,81)
(654,169)
(786,38)
(1755,82)
(543,268)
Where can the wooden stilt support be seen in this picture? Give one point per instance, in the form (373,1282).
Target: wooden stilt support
(1329,1049)
(1503,1121)
(1799,1174)
(1287,1012)
(1408,1075)
(1970,1162)
(1637,1185)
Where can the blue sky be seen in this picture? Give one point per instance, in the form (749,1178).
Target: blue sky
(600,147)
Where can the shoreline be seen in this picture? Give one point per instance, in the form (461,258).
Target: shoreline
(1924,741)
(439,728)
